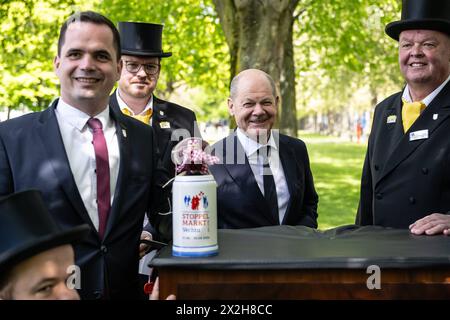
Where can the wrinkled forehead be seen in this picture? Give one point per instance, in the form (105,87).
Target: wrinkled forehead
(254,86)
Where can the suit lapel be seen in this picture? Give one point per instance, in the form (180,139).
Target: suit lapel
(440,106)
(48,128)
(163,136)
(288,161)
(113,103)
(395,134)
(124,145)
(243,175)
(390,133)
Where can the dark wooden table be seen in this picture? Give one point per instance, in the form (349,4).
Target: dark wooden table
(284,262)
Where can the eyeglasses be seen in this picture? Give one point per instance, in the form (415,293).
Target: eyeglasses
(149,68)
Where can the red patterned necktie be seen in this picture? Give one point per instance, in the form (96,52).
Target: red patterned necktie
(102,170)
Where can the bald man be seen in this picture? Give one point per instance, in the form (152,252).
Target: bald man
(266,174)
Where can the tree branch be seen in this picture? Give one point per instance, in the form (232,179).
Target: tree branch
(302,10)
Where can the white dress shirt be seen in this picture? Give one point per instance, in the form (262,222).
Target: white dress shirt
(256,164)
(407,96)
(77,139)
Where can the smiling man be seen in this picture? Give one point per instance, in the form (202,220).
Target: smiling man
(264,177)
(406,178)
(142,55)
(78,154)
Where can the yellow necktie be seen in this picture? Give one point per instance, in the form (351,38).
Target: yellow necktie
(145,117)
(410,112)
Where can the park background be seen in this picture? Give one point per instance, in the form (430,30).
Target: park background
(330,59)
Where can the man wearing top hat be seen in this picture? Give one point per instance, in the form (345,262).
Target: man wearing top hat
(141,57)
(36,256)
(406,176)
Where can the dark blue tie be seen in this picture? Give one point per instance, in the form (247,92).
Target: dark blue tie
(270,190)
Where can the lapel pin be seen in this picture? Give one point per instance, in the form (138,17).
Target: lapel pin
(435,116)
(161,113)
(164,125)
(391,119)
(124,133)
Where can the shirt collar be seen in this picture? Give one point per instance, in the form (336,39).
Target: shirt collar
(251,146)
(78,118)
(123,105)
(407,96)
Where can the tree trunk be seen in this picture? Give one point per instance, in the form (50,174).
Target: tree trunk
(259,35)
(288,112)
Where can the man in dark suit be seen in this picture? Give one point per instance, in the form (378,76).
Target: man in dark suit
(406,179)
(92,164)
(141,56)
(264,177)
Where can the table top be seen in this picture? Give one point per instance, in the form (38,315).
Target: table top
(300,247)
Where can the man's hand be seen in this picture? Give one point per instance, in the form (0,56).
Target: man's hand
(435,223)
(155,293)
(143,248)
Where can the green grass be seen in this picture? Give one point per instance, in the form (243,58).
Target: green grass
(336,167)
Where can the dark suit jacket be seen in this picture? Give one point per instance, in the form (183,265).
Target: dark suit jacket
(182,123)
(241,204)
(32,156)
(402,180)
(179,118)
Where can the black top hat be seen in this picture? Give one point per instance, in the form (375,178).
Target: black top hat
(27,229)
(422,14)
(142,39)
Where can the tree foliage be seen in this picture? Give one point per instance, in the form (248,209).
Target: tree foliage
(192,33)
(341,47)
(259,35)
(28,33)
(341,53)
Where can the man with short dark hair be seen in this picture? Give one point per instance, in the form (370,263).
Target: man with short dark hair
(406,181)
(92,164)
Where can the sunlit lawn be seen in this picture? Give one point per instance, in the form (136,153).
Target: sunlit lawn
(336,168)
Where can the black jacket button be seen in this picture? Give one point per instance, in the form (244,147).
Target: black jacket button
(97,295)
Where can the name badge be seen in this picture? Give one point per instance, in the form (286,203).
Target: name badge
(391,119)
(164,125)
(418,135)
